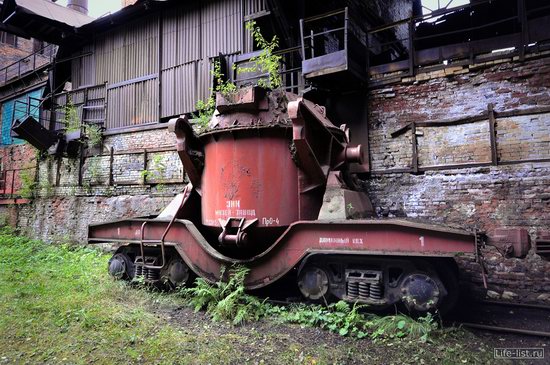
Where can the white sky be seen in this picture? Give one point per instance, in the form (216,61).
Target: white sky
(433,4)
(98,8)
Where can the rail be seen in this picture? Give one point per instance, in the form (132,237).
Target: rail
(89,103)
(488,315)
(317,40)
(27,64)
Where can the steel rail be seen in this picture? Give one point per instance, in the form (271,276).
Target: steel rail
(504,329)
(512,304)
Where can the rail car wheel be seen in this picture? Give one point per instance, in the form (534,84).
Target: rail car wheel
(448,272)
(175,274)
(313,282)
(121,267)
(421,292)
(433,286)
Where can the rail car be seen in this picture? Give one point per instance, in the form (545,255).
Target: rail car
(270,188)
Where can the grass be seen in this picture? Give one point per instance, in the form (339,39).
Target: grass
(59,306)
(56,301)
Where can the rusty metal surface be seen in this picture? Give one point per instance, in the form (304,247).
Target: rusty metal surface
(360,237)
(511,241)
(189,149)
(252,177)
(542,243)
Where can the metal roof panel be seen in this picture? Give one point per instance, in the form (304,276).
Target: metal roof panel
(50,10)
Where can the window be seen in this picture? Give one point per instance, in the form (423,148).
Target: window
(8,39)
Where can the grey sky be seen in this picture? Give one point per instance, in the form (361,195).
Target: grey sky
(101,7)
(98,8)
(433,4)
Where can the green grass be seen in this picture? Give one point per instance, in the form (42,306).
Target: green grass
(59,306)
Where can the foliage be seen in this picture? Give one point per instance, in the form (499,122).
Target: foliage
(224,87)
(226,300)
(205,109)
(94,135)
(46,189)
(28,183)
(60,306)
(73,123)
(348,320)
(399,326)
(94,169)
(70,117)
(4,220)
(157,172)
(340,317)
(266,62)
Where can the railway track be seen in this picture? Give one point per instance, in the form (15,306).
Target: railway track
(503,317)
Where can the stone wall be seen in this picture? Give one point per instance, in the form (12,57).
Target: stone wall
(511,194)
(64,208)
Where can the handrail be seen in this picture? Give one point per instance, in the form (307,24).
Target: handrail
(33,56)
(519,36)
(325,15)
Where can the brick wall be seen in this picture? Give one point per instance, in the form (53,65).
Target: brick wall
(63,209)
(509,195)
(16,161)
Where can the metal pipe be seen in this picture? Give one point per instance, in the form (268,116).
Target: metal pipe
(79,5)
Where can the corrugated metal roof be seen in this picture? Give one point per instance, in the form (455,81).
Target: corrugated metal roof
(48,9)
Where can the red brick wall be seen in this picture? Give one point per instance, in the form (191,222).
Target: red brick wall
(508,195)
(16,159)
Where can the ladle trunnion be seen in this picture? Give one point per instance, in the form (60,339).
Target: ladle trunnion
(270,188)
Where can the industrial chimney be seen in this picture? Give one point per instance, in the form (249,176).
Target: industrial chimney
(125,3)
(79,5)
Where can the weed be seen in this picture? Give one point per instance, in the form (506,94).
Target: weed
(94,169)
(206,109)
(400,326)
(157,172)
(348,320)
(340,317)
(226,300)
(58,303)
(46,188)
(94,135)
(70,117)
(28,183)
(60,306)
(266,62)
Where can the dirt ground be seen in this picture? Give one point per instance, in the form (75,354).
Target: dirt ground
(269,342)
